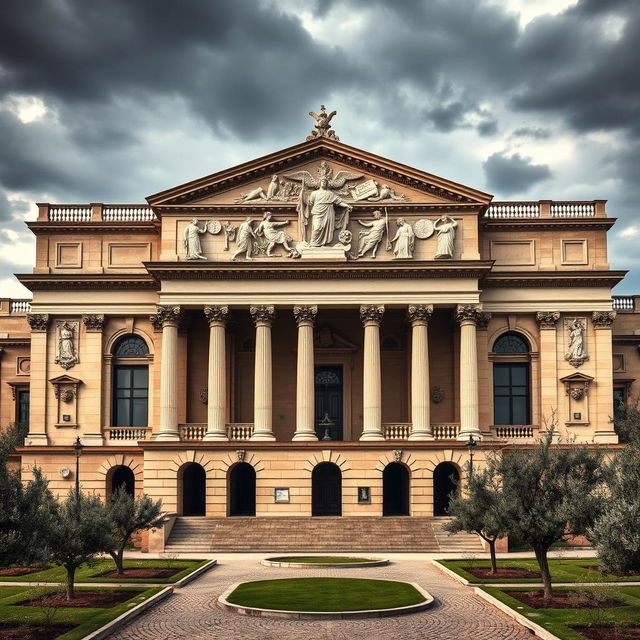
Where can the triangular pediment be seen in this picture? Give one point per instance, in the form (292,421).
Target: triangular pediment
(359,177)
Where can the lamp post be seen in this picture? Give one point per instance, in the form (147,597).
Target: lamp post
(471,443)
(77,448)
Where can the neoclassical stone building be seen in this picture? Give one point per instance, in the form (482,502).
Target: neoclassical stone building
(317,332)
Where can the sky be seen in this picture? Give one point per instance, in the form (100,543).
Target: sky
(113,101)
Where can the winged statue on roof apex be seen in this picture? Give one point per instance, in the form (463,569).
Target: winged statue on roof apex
(322,128)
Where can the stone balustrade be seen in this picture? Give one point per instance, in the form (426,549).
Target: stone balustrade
(197,431)
(132,434)
(515,432)
(573,209)
(20,306)
(544,209)
(240,430)
(69,213)
(624,304)
(500,210)
(396,431)
(445,431)
(95,212)
(127,212)
(192,431)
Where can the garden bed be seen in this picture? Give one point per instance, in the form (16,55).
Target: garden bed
(32,632)
(560,600)
(504,574)
(101,599)
(12,572)
(609,633)
(130,573)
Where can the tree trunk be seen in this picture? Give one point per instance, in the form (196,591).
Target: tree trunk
(118,559)
(71,577)
(492,551)
(543,563)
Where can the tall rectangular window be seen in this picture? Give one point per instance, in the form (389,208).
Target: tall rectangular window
(22,413)
(131,395)
(511,396)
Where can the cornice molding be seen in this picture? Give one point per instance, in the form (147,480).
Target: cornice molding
(553,279)
(38,227)
(88,281)
(545,224)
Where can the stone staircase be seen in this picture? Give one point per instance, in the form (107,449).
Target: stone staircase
(326,534)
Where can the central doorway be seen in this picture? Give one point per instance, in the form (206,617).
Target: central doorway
(328,383)
(242,490)
(326,490)
(194,492)
(446,480)
(395,490)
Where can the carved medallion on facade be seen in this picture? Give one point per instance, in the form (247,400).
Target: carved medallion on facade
(204,396)
(437,395)
(576,341)
(241,454)
(67,344)
(397,455)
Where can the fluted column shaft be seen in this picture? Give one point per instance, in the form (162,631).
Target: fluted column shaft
(169,317)
(468,316)
(217,374)
(371,316)
(263,317)
(419,316)
(305,392)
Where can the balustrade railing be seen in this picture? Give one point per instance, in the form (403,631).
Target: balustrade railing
(127,433)
(542,209)
(499,210)
(396,431)
(69,213)
(127,213)
(515,432)
(19,306)
(192,431)
(446,431)
(240,430)
(573,209)
(623,303)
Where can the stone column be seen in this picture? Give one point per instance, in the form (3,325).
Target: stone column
(169,317)
(547,321)
(602,321)
(305,392)
(371,316)
(419,316)
(468,316)
(39,323)
(93,381)
(217,376)
(263,316)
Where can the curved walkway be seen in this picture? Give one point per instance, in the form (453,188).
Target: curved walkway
(192,612)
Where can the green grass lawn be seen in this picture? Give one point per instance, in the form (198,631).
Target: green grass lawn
(562,570)
(320,559)
(91,573)
(560,621)
(84,620)
(325,594)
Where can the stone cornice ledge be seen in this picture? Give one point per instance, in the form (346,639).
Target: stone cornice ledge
(305,270)
(553,278)
(85,281)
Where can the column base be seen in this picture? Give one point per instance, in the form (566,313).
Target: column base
(92,439)
(420,435)
(167,436)
(309,436)
(605,437)
(463,436)
(372,435)
(262,437)
(35,439)
(215,436)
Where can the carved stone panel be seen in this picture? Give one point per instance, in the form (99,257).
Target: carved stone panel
(575,336)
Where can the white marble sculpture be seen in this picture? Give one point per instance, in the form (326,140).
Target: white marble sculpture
(66,355)
(191,238)
(576,350)
(445,227)
(245,239)
(385,192)
(269,229)
(369,240)
(404,240)
(322,128)
(255,194)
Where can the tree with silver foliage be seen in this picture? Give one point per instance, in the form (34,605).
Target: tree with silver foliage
(616,532)
(480,509)
(127,515)
(550,493)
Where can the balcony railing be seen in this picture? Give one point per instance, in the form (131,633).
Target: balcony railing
(446,431)
(396,431)
(132,434)
(402,430)
(239,430)
(515,432)
(127,213)
(624,303)
(197,430)
(544,209)
(96,212)
(20,306)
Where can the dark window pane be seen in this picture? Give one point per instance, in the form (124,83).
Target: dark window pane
(139,414)
(520,411)
(511,393)
(130,396)
(510,343)
(141,377)
(500,375)
(501,406)
(131,347)
(123,377)
(518,375)
(122,413)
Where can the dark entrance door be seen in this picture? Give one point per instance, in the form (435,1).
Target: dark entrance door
(242,490)
(326,489)
(328,397)
(123,477)
(446,479)
(194,482)
(395,490)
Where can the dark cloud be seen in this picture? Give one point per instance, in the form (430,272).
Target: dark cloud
(537,133)
(509,174)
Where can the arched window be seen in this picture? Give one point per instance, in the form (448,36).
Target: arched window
(511,380)
(130,382)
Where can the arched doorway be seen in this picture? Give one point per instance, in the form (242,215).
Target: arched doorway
(122,476)
(446,479)
(326,490)
(395,490)
(241,490)
(194,490)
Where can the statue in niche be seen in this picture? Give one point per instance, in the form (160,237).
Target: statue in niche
(385,192)
(576,353)
(405,240)
(369,240)
(246,237)
(191,238)
(269,229)
(445,227)
(66,356)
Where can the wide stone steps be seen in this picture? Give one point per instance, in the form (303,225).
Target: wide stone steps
(300,534)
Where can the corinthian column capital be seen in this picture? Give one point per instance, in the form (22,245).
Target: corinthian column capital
(305,314)
(547,319)
(263,314)
(419,313)
(166,315)
(603,319)
(371,314)
(469,314)
(217,315)
(38,321)
(93,321)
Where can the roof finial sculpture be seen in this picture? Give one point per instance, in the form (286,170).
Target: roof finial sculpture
(322,128)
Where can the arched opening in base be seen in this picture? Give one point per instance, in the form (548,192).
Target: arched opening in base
(194,490)
(326,490)
(395,490)
(241,490)
(446,481)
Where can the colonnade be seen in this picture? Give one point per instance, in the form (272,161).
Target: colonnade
(468,316)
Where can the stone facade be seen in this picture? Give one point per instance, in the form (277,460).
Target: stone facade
(271,336)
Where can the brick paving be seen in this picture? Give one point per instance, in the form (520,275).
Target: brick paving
(192,612)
